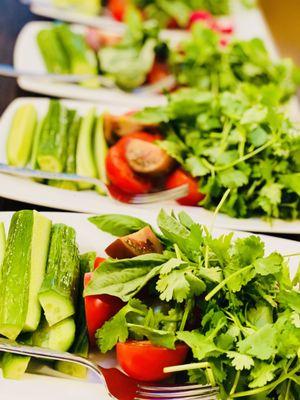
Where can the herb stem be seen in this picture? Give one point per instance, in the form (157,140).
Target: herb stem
(186,367)
(235,383)
(218,208)
(224,282)
(270,387)
(185,315)
(245,157)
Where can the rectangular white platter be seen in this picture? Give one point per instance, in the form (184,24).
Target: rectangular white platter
(247,23)
(89,238)
(28,191)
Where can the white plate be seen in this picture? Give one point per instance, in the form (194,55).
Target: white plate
(90,202)
(247,23)
(90,238)
(27,57)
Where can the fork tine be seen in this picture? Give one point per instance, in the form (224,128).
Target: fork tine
(171,194)
(179,394)
(173,388)
(205,397)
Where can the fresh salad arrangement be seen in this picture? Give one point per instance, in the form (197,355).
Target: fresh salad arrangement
(169,14)
(234,143)
(210,59)
(214,310)
(127,61)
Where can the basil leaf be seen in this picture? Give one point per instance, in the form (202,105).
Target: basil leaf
(118,224)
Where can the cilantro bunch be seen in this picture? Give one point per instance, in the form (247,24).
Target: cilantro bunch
(235,307)
(203,63)
(235,140)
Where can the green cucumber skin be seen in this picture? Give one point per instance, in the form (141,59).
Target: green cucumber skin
(52,51)
(85,164)
(72,145)
(81,343)
(82,59)
(33,159)
(52,148)
(2,243)
(58,337)
(39,253)
(70,168)
(15,275)
(22,272)
(100,150)
(62,275)
(21,135)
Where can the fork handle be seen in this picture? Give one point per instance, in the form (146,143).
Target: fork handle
(8,346)
(38,174)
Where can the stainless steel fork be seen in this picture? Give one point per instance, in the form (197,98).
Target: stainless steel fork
(137,391)
(10,72)
(164,195)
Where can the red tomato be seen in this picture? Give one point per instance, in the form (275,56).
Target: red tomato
(121,175)
(118,8)
(145,362)
(158,72)
(118,170)
(98,261)
(99,308)
(180,177)
(200,15)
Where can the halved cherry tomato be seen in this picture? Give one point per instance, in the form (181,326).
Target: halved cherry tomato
(118,170)
(121,175)
(158,72)
(99,308)
(118,8)
(143,361)
(179,178)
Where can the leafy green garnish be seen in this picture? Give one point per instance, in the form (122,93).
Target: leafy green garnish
(234,306)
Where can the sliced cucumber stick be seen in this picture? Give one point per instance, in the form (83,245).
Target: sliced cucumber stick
(81,343)
(22,272)
(58,294)
(57,337)
(14,366)
(20,138)
(52,148)
(85,164)
(100,151)
(39,253)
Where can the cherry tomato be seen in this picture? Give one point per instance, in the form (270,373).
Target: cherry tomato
(145,362)
(99,308)
(98,261)
(118,170)
(121,175)
(201,16)
(158,72)
(180,177)
(118,8)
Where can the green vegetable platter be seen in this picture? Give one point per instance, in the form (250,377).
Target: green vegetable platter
(68,136)
(142,62)
(172,16)
(228,296)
